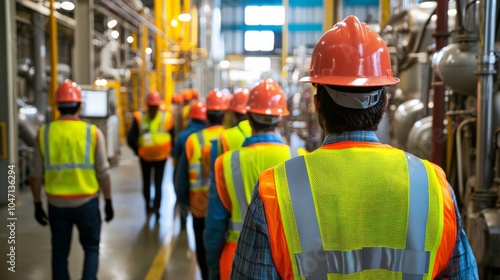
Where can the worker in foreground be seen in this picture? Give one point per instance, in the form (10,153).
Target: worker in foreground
(237,170)
(197,151)
(150,137)
(354,208)
(70,156)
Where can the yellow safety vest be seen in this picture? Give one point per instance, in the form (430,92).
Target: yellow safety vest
(155,142)
(338,214)
(68,152)
(198,155)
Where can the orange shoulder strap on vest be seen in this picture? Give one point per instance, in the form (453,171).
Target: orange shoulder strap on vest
(220,184)
(279,247)
(449,228)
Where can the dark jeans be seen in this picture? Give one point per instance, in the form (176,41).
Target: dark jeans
(148,168)
(199,227)
(87,219)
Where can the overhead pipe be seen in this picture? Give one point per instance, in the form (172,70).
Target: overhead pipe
(438,138)
(485,87)
(124,10)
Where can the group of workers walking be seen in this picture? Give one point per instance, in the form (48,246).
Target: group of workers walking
(352,209)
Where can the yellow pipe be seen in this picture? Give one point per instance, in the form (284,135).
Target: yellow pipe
(194,27)
(187,26)
(158,11)
(284,32)
(329,14)
(143,70)
(134,76)
(385,11)
(53,59)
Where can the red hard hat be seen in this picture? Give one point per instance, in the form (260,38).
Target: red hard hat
(267,98)
(198,111)
(195,93)
(238,103)
(187,93)
(351,54)
(177,98)
(217,101)
(153,98)
(68,91)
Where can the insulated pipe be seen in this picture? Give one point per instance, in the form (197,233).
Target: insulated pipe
(485,71)
(39,60)
(461,188)
(53,60)
(438,138)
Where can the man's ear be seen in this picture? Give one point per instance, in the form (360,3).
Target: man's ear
(316,103)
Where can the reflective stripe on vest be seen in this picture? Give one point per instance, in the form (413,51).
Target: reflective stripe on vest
(154,139)
(239,187)
(315,263)
(197,183)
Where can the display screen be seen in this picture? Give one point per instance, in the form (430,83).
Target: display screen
(94,104)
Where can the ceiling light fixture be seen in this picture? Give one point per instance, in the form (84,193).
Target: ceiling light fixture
(67,5)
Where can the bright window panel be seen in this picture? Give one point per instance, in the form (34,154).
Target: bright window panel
(259,40)
(264,15)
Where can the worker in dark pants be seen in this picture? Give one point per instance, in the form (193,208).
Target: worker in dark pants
(151,139)
(70,156)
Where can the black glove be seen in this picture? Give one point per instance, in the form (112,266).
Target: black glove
(108,209)
(40,215)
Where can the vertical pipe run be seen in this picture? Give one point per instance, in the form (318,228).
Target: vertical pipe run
(53,59)
(39,57)
(485,71)
(438,138)
(284,38)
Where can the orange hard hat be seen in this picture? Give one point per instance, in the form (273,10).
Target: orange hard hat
(267,98)
(198,111)
(153,98)
(187,94)
(238,103)
(177,98)
(68,92)
(195,93)
(351,54)
(217,101)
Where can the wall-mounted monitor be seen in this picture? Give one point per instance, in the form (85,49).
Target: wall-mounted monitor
(94,103)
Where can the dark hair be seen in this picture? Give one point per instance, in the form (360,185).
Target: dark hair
(240,117)
(215,117)
(260,127)
(339,119)
(68,108)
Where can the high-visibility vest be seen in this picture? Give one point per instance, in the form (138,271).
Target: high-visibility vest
(232,138)
(358,211)
(198,155)
(155,141)
(185,115)
(68,152)
(236,173)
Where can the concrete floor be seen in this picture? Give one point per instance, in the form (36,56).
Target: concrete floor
(132,246)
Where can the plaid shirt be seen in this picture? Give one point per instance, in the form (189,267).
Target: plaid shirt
(253,259)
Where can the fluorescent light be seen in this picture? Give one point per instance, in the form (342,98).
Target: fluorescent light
(174,22)
(149,50)
(115,34)
(112,23)
(67,5)
(184,17)
(224,64)
(130,39)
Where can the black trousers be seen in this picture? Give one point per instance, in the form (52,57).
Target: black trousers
(149,169)
(199,227)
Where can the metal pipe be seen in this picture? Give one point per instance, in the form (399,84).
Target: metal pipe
(458,138)
(485,71)
(438,138)
(39,59)
(53,59)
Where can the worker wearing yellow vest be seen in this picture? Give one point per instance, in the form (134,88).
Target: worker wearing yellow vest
(150,137)
(354,208)
(198,155)
(237,170)
(70,156)
(189,95)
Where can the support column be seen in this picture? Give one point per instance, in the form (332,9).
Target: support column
(84,62)
(8,106)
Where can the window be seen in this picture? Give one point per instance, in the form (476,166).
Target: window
(264,15)
(260,39)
